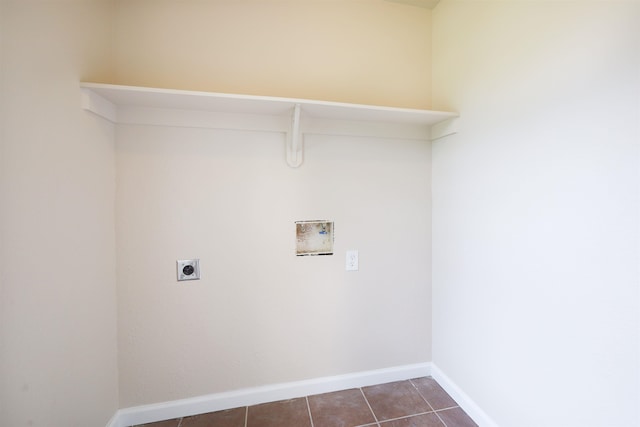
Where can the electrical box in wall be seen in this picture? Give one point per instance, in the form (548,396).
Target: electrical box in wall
(188,269)
(314,238)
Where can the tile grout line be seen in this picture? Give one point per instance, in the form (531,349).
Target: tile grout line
(446,409)
(409,416)
(309,410)
(433,411)
(422,396)
(370,408)
(441,420)
(425,399)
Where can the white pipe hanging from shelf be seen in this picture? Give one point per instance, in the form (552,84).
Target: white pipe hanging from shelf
(294,140)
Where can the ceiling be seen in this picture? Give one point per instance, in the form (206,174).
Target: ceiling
(426,4)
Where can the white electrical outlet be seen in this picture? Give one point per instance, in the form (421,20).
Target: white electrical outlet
(188,269)
(352,260)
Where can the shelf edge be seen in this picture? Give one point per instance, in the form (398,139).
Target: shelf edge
(130,95)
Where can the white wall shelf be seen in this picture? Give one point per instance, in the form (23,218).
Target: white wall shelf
(294,117)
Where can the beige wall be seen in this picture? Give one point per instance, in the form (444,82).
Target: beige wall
(57,241)
(360,51)
(537,197)
(536,209)
(260,315)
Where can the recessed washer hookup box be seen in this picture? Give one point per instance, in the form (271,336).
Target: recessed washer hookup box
(314,238)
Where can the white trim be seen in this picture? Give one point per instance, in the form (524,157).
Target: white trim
(119,95)
(93,102)
(166,107)
(270,393)
(464,401)
(115,420)
(445,128)
(136,115)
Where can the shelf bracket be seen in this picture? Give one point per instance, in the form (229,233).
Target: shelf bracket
(294,139)
(93,102)
(444,128)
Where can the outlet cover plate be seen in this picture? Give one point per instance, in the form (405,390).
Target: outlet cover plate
(352,260)
(188,269)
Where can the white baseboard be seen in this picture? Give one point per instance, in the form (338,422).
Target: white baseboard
(464,401)
(114,421)
(270,393)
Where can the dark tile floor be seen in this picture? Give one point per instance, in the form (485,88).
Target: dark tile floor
(419,402)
